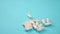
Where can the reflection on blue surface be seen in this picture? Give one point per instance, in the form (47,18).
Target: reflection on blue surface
(13,15)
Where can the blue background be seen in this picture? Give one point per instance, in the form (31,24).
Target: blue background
(13,15)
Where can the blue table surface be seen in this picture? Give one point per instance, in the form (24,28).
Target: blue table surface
(13,15)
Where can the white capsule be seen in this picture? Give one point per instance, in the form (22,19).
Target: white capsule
(29,15)
(40,27)
(43,21)
(28,26)
(34,26)
(47,22)
(35,22)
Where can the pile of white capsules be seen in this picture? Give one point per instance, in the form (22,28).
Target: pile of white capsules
(34,24)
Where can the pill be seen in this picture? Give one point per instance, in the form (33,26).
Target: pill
(43,20)
(29,15)
(46,22)
(34,26)
(28,26)
(40,27)
(35,22)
